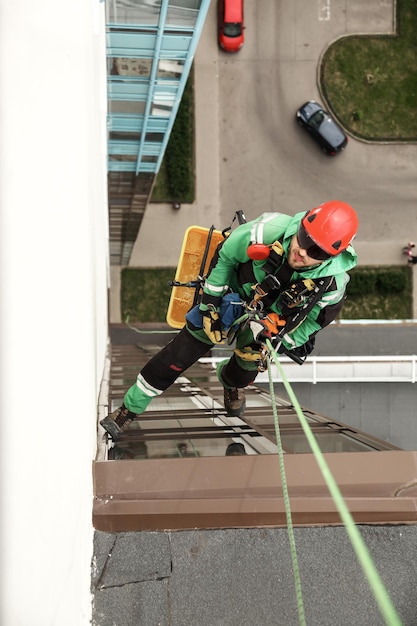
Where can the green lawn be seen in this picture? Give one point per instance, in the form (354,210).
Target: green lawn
(373,293)
(379,293)
(370,82)
(145,294)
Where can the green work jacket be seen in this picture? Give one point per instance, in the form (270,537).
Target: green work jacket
(225,275)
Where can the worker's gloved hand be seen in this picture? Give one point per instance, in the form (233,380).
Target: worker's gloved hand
(267,328)
(213,326)
(260,331)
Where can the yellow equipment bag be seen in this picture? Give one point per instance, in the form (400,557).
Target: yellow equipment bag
(197,250)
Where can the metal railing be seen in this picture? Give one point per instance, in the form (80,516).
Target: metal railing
(345,369)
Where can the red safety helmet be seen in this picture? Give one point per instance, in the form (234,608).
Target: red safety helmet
(331,227)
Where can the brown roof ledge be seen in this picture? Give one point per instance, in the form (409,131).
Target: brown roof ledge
(245,491)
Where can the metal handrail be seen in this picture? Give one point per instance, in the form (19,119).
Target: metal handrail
(345,369)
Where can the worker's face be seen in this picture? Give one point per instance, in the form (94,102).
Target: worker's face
(298,257)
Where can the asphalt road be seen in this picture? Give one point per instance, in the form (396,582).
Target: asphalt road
(267,162)
(251,154)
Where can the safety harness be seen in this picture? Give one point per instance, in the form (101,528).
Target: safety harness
(301,295)
(296,299)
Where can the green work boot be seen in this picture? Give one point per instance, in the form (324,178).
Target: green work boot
(234,401)
(118,421)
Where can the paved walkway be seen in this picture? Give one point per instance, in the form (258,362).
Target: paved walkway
(212,73)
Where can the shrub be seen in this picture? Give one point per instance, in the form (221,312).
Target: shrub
(373,293)
(383,293)
(391,280)
(175,179)
(361,281)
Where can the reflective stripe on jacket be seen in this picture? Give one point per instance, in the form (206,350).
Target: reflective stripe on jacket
(268,228)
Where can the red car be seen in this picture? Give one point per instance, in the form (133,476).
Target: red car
(230,25)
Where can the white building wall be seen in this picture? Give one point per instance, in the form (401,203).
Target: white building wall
(53,302)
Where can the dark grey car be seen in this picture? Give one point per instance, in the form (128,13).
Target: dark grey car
(322,127)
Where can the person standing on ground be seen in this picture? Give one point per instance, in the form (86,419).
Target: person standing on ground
(408,250)
(297,282)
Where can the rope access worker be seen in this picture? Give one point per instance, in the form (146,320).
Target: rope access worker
(288,273)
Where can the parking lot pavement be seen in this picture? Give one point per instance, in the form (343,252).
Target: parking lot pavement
(250,153)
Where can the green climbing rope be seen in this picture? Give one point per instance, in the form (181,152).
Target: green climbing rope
(380,593)
(287,505)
